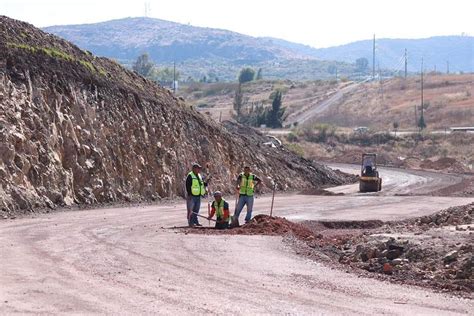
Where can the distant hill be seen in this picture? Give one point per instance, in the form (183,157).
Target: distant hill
(436,51)
(198,51)
(167,41)
(201,51)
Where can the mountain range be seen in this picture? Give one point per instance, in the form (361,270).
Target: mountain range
(200,51)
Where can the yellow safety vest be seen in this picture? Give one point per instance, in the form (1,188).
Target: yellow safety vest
(197,186)
(219,208)
(246,184)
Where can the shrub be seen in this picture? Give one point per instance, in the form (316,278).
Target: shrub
(246,75)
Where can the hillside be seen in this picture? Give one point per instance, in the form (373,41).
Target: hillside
(448,100)
(210,52)
(167,41)
(436,51)
(198,51)
(76,128)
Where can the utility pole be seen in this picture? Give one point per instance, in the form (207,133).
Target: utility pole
(447,67)
(422,105)
(378,71)
(406,63)
(373,59)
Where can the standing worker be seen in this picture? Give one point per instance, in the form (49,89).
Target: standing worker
(246,183)
(221,208)
(195,188)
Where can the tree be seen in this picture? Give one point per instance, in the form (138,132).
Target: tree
(238,101)
(259,74)
(165,75)
(362,64)
(275,115)
(332,69)
(246,75)
(422,123)
(143,65)
(396,125)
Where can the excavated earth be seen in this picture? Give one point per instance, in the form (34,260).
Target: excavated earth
(435,251)
(79,129)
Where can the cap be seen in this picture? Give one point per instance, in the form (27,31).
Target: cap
(217,193)
(196,165)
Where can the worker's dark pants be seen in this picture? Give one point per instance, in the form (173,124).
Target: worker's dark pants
(193,205)
(222,224)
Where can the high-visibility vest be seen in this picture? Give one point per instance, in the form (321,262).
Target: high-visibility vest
(246,184)
(197,186)
(219,207)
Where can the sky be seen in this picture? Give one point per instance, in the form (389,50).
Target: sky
(315,23)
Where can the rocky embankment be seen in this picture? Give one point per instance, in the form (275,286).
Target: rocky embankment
(79,129)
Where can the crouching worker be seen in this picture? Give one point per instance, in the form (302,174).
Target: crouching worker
(221,208)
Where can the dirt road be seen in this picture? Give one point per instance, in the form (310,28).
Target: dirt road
(130,260)
(305,116)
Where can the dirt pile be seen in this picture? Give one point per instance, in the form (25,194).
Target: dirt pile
(435,251)
(75,128)
(445,163)
(261,225)
(452,216)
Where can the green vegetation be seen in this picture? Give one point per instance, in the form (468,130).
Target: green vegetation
(246,75)
(296,148)
(422,123)
(56,53)
(255,113)
(147,68)
(238,101)
(362,64)
(143,65)
(274,117)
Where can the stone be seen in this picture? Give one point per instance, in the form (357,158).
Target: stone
(387,268)
(450,256)
(393,254)
(397,261)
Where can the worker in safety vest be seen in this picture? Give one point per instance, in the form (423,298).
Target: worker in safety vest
(221,208)
(195,188)
(246,184)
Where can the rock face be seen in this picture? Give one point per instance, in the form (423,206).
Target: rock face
(75,128)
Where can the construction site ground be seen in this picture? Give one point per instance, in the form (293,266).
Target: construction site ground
(124,260)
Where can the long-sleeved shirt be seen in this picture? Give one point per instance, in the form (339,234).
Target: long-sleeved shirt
(189,182)
(226,211)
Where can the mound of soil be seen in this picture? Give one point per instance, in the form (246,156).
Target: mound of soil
(446,164)
(262,225)
(434,251)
